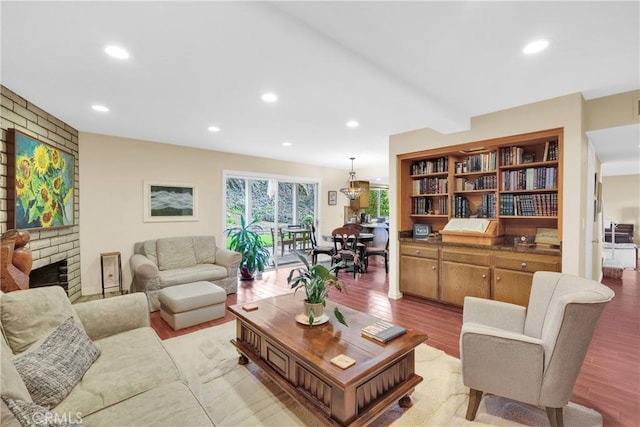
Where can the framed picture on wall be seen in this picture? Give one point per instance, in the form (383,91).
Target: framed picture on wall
(333,198)
(170,201)
(41,178)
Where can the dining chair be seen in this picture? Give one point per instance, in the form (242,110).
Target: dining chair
(280,238)
(377,251)
(533,354)
(317,249)
(345,241)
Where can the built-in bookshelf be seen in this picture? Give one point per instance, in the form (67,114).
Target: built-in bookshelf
(515,181)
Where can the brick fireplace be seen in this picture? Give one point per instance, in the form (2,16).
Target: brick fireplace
(48,245)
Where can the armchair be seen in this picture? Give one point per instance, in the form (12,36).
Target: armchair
(531,354)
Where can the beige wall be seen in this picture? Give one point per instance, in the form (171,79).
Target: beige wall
(565,112)
(612,111)
(111,189)
(621,200)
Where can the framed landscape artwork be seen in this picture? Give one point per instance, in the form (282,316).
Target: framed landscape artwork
(170,201)
(41,183)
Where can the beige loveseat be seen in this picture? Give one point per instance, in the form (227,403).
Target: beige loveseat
(170,261)
(133,382)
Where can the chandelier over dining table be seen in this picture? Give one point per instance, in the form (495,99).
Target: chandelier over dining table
(352,190)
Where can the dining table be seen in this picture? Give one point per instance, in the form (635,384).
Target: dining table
(300,235)
(362,238)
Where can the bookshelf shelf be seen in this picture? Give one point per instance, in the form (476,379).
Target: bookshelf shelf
(501,182)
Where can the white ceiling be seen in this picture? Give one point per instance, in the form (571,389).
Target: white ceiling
(393,66)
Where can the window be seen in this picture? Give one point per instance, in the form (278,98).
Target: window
(378,202)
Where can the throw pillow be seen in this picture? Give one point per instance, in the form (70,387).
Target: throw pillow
(205,248)
(30,414)
(51,371)
(175,252)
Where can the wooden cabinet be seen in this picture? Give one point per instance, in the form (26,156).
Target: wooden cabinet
(419,271)
(465,272)
(447,273)
(513,274)
(516,181)
(361,202)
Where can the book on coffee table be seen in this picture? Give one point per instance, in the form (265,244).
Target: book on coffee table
(383,331)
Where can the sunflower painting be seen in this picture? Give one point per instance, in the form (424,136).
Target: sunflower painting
(43,184)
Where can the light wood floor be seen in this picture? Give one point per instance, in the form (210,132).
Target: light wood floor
(610,377)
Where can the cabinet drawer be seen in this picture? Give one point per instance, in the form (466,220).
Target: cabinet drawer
(466,256)
(278,359)
(530,263)
(419,251)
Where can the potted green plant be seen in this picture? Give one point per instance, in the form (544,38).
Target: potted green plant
(316,281)
(245,239)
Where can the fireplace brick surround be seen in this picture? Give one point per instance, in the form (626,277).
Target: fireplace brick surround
(48,246)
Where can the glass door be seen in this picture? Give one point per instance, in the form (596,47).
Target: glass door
(284,208)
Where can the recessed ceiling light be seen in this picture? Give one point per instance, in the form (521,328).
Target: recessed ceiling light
(535,47)
(286,144)
(353,124)
(269,97)
(116,52)
(100,108)
(214,129)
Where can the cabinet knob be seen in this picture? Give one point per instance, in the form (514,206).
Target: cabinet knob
(433,267)
(417,251)
(484,276)
(497,278)
(523,265)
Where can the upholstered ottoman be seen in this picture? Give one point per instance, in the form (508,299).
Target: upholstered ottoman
(186,305)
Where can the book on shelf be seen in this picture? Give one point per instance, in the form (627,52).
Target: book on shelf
(383,331)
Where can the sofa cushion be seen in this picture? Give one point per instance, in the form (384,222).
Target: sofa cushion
(171,404)
(196,273)
(29,413)
(175,252)
(51,371)
(205,249)
(30,314)
(131,363)
(150,250)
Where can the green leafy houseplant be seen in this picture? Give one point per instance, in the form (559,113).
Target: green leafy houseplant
(245,239)
(316,281)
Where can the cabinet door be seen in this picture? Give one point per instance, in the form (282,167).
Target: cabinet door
(460,280)
(512,286)
(419,276)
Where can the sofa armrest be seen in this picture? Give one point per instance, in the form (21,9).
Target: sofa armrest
(228,258)
(145,273)
(492,313)
(105,317)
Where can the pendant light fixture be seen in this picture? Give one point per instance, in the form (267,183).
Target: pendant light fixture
(352,191)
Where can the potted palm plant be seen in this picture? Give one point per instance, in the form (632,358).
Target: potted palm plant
(245,239)
(316,281)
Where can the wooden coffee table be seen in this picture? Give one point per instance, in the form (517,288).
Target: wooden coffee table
(297,357)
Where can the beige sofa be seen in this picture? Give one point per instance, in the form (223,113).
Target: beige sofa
(134,380)
(170,261)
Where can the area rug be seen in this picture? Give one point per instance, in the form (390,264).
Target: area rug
(244,396)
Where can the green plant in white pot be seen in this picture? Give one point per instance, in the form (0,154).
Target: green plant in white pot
(316,281)
(245,239)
